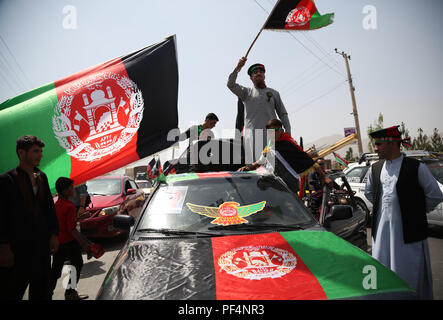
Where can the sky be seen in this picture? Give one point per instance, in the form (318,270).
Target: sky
(396,49)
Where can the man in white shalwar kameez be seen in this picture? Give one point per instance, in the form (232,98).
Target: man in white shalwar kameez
(409,259)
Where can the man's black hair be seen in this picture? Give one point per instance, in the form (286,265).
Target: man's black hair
(63,184)
(211,116)
(27,141)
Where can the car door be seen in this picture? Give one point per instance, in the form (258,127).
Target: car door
(134,201)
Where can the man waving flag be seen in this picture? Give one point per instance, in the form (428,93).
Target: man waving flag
(99,119)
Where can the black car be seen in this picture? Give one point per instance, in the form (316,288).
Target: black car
(241,236)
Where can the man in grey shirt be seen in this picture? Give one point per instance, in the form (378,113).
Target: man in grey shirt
(261,105)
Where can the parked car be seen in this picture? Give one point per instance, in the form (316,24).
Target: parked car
(110,196)
(240,235)
(357,173)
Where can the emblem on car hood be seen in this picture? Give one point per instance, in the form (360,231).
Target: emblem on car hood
(227,213)
(257,262)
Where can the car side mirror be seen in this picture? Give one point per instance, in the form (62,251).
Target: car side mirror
(131,191)
(339,212)
(123,222)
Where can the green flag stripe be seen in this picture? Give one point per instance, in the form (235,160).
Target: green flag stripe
(326,262)
(31,113)
(182,177)
(321,21)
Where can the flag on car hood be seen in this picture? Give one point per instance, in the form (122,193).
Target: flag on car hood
(99,119)
(297,15)
(295,265)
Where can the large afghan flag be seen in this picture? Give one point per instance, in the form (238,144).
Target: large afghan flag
(294,265)
(297,15)
(99,119)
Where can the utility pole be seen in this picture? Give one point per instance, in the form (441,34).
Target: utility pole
(354,105)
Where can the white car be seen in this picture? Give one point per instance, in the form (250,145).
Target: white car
(145,185)
(357,172)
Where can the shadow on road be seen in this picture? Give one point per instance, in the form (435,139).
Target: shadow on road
(93,268)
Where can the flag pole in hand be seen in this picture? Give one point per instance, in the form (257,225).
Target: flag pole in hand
(258,34)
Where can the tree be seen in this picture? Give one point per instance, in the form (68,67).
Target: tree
(436,141)
(378,124)
(421,142)
(350,157)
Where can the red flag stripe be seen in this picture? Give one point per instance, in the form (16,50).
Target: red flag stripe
(263,266)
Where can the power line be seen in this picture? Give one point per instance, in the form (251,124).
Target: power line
(11,76)
(16,62)
(302,44)
(305,74)
(305,82)
(320,96)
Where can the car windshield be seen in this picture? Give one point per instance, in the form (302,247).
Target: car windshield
(142,185)
(104,186)
(218,203)
(436,168)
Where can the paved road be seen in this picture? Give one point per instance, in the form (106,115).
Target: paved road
(94,271)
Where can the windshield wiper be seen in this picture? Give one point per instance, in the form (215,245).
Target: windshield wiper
(177,232)
(259,226)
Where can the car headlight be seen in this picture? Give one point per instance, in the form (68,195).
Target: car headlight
(109,211)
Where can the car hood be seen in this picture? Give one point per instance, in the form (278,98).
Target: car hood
(282,266)
(99,202)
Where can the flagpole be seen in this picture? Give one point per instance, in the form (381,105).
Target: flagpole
(258,34)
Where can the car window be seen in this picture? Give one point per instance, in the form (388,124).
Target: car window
(144,184)
(356,174)
(436,168)
(133,185)
(104,186)
(194,205)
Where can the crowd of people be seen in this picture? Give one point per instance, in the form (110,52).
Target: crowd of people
(32,227)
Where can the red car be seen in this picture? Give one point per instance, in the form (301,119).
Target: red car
(110,195)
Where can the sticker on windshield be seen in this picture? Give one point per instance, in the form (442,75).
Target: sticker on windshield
(169,200)
(228,213)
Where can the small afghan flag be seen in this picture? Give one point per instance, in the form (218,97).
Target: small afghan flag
(151,165)
(100,119)
(297,15)
(340,160)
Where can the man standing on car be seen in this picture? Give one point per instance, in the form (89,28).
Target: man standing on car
(261,104)
(28,225)
(402,190)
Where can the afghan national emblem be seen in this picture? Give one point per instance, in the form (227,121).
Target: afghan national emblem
(97,115)
(257,262)
(298,17)
(227,213)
